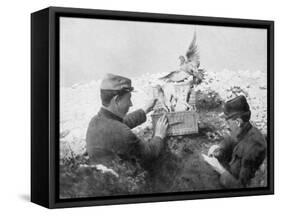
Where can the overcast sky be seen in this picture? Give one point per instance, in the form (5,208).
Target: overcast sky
(91,47)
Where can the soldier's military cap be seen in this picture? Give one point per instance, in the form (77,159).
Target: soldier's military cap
(116,82)
(236,107)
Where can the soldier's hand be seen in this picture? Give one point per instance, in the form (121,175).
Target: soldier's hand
(161,127)
(149,105)
(214,151)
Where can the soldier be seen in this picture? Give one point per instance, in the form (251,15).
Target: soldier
(240,154)
(109,133)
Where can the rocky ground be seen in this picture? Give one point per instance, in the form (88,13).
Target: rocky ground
(180,166)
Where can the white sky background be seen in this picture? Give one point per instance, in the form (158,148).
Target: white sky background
(91,47)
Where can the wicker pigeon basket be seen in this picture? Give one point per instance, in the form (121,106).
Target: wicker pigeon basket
(180,123)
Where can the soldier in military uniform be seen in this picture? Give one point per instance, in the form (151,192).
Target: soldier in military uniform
(240,155)
(109,133)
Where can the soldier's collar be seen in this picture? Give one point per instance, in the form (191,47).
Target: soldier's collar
(244,130)
(109,114)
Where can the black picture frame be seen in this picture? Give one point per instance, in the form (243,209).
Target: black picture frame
(45,105)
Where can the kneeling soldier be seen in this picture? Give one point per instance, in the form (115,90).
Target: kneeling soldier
(109,132)
(240,154)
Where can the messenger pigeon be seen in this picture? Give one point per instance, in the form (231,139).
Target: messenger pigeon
(189,66)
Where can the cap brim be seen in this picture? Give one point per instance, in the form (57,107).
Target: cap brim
(223,115)
(130,89)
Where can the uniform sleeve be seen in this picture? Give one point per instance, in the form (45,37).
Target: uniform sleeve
(249,165)
(226,149)
(229,181)
(148,150)
(135,118)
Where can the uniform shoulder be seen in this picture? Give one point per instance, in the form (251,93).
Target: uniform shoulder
(100,121)
(257,137)
(256,145)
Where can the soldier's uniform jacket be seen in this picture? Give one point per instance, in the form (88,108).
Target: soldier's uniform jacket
(109,135)
(242,157)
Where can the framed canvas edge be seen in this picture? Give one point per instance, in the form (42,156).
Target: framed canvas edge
(54,84)
(40,153)
(160,198)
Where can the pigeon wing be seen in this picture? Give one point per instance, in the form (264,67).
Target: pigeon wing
(168,76)
(192,53)
(175,76)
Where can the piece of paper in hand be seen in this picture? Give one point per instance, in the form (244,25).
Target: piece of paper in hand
(215,164)
(207,159)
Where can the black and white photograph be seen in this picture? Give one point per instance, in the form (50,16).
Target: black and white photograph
(152,108)
(140,108)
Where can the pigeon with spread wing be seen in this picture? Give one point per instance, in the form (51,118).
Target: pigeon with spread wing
(189,74)
(189,65)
